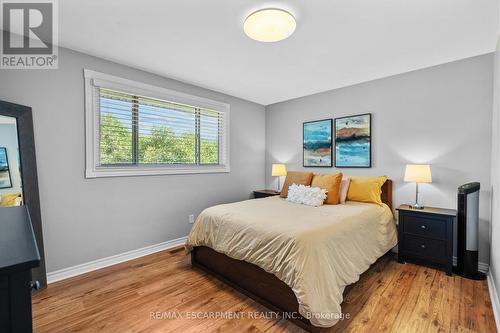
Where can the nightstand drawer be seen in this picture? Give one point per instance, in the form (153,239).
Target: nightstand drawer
(264,193)
(425,248)
(427,227)
(427,235)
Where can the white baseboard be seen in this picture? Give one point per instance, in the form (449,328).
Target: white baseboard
(68,272)
(495,304)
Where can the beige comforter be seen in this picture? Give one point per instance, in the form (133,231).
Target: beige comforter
(317,251)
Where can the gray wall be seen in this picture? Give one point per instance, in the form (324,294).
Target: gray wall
(495,176)
(440,115)
(8,139)
(88,219)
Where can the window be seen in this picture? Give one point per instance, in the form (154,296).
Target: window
(137,129)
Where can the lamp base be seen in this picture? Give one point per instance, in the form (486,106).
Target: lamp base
(416,206)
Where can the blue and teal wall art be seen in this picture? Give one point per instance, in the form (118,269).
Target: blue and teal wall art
(317,141)
(353,142)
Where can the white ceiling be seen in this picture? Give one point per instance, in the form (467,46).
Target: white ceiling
(337,42)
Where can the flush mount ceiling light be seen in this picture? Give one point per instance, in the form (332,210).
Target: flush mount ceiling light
(269,25)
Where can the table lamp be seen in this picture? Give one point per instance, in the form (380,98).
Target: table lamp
(278,170)
(418,173)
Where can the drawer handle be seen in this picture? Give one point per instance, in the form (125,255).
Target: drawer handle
(422,246)
(423,227)
(35,285)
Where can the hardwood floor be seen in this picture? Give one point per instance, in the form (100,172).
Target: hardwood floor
(138,295)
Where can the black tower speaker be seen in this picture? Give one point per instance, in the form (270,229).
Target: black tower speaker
(468,232)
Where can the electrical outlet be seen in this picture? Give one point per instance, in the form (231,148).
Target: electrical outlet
(191,218)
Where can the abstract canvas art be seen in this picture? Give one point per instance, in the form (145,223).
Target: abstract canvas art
(5,181)
(353,142)
(317,140)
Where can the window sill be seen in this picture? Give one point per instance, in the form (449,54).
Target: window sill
(152,171)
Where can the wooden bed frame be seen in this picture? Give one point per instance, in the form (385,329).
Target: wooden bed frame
(258,284)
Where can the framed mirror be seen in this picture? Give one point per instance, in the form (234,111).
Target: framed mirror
(18,172)
(5,179)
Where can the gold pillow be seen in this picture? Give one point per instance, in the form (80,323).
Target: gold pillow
(295,177)
(366,189)
(9,199)
(331,183)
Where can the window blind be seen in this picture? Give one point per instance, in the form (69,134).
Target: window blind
(139,130)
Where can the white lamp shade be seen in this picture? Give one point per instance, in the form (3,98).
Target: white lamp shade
(418,173)
(278,170)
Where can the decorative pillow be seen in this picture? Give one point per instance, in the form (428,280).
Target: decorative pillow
(295,193)
(306,195)
(331,183)
(366,189)
(9,199)
(344,186)
(295,177)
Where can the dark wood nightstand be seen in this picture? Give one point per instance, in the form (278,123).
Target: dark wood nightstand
(426,235)
(264,193)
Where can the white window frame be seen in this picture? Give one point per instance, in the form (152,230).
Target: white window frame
(95,80)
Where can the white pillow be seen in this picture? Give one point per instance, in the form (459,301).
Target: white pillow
(295,193)
(306,195)
(344,187)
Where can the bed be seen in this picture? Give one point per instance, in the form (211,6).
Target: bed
(294,259)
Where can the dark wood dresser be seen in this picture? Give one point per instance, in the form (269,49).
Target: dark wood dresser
(426,236)
(18,255)
(264,193)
